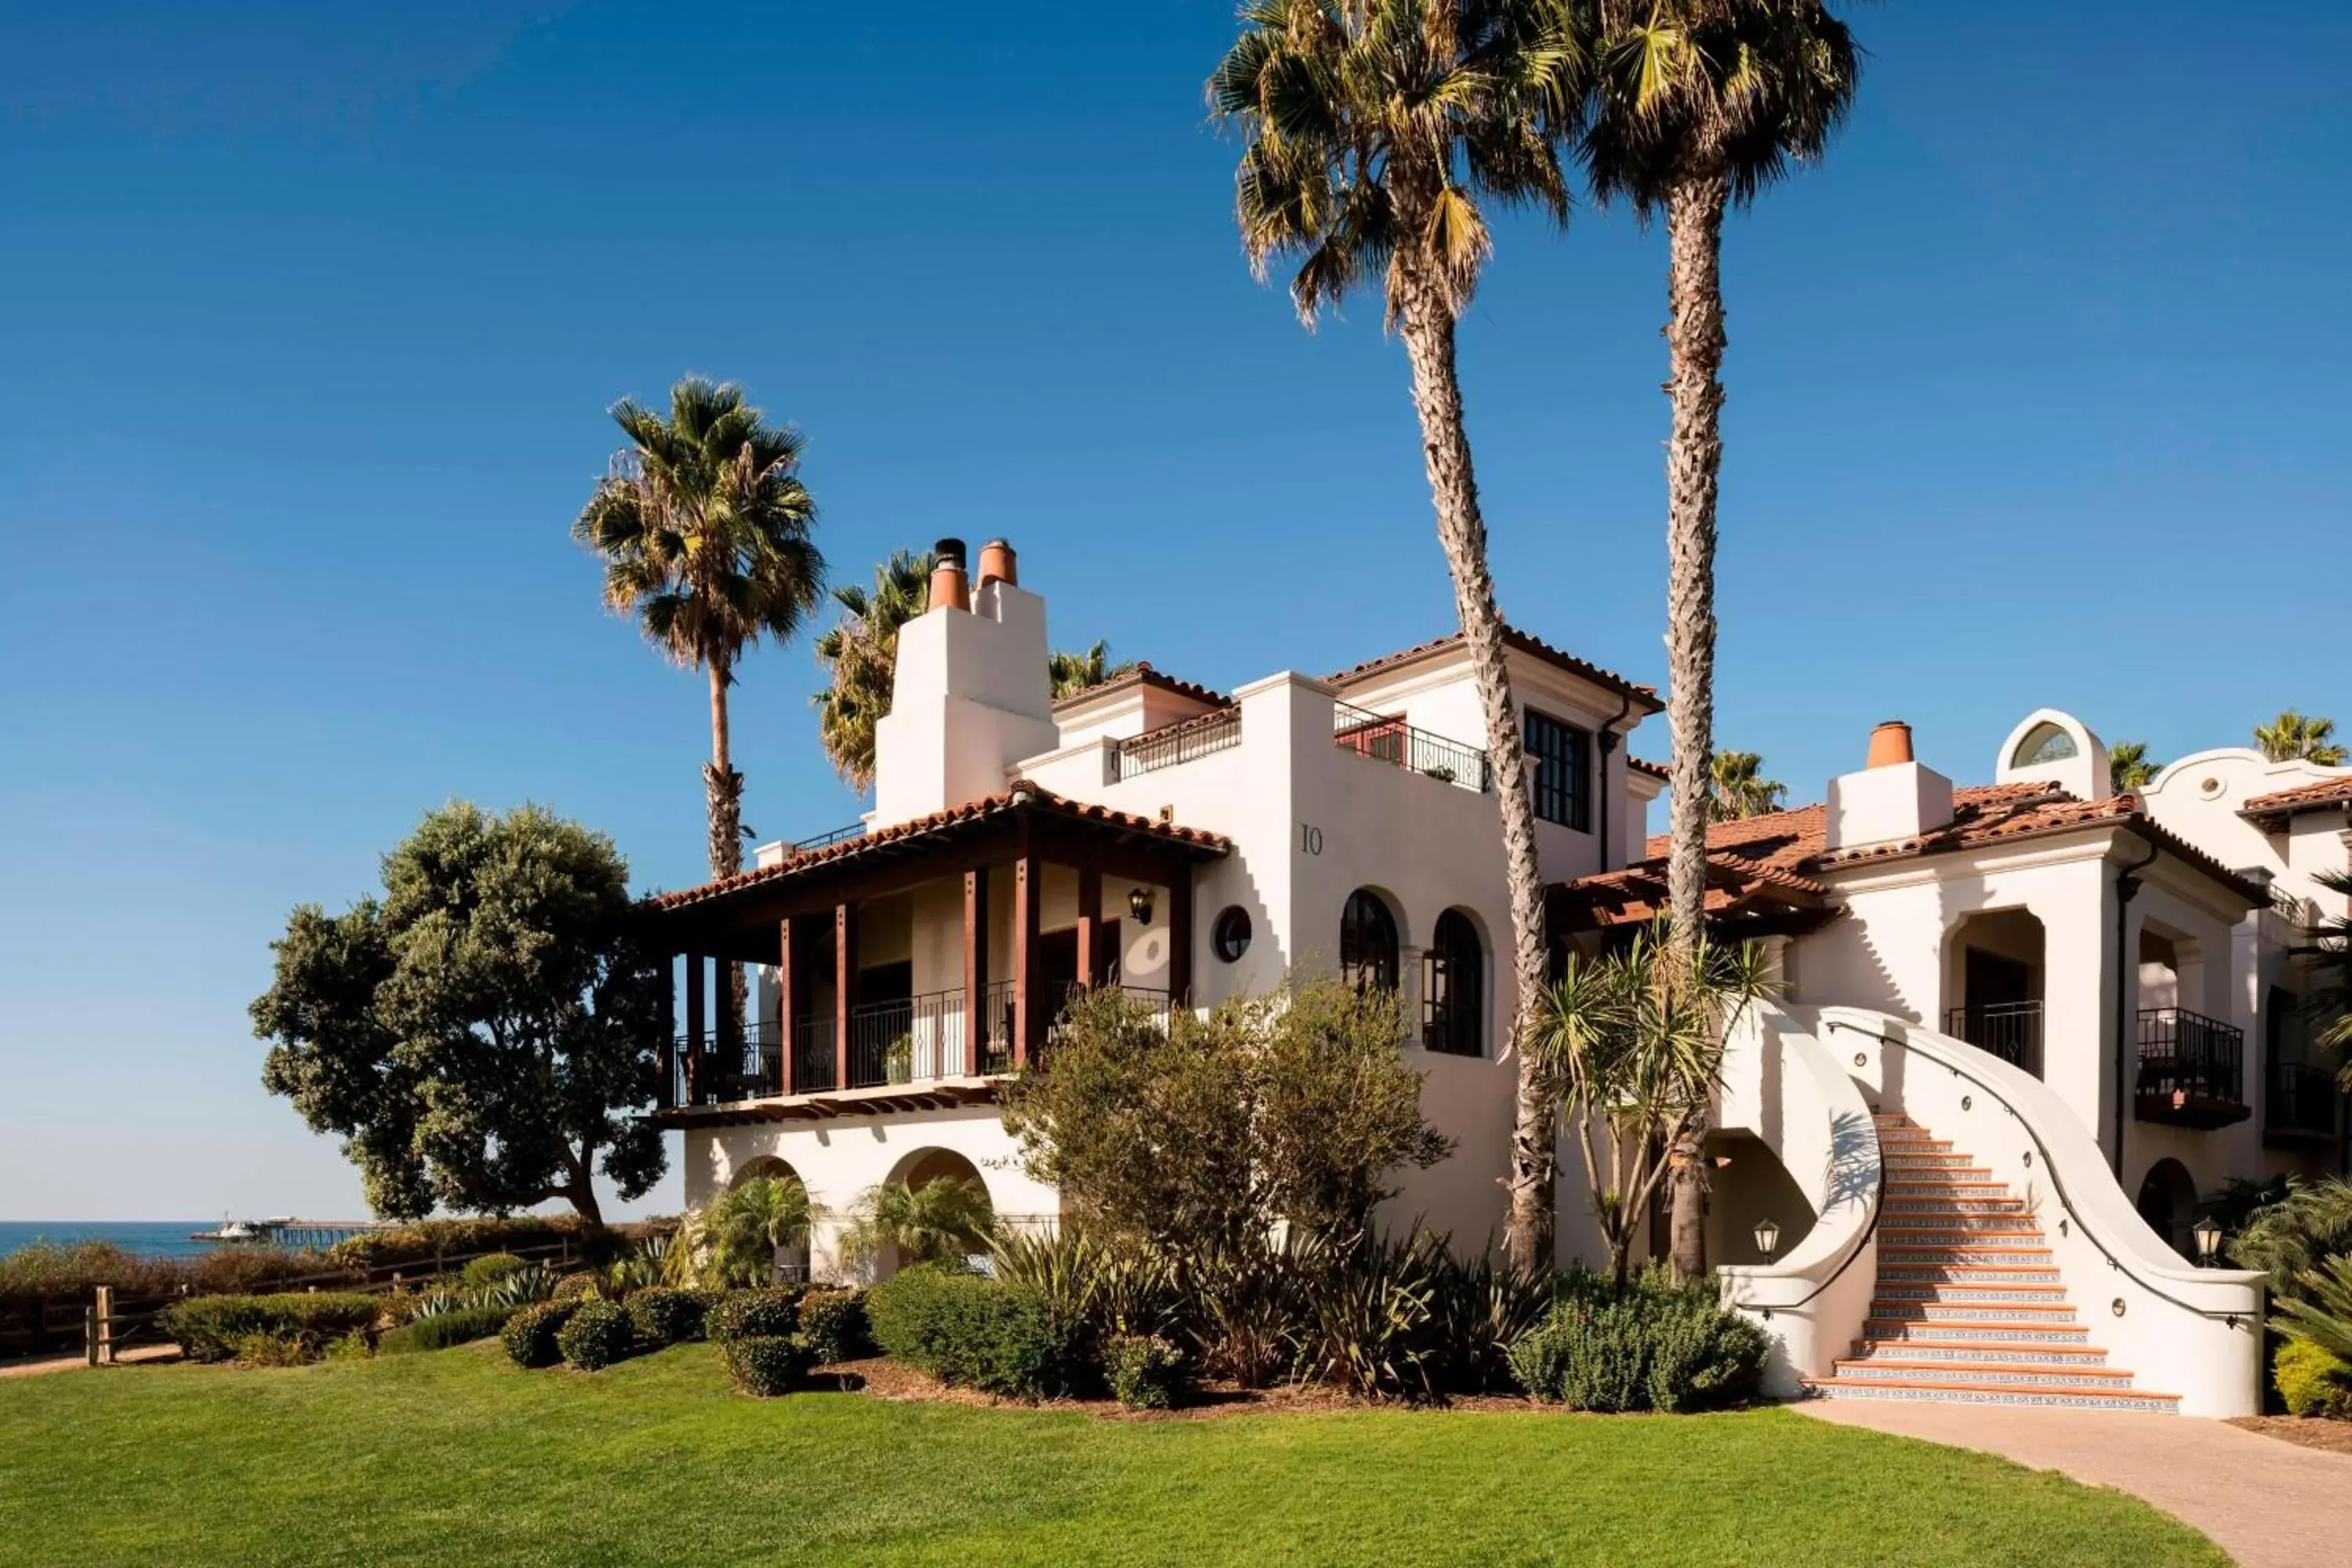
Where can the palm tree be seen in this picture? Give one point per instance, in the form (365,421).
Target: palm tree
(945,1219)
(1697,104)
(861,654)
(703,527)
(2291,737)
(748,1227)
(1073,672)
(1740,789)
(2130,768)
(1373,129)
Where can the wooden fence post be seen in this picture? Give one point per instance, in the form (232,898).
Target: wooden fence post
(102,1343)
(90,1333)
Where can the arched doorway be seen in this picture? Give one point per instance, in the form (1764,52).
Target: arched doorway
(792,1262)
(2168,1201)
(909,1218)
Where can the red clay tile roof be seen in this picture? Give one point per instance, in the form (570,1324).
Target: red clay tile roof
(1644,696)
(1644,765)
(2271,811)
(1144,675)
(1037,800)
(1794,842)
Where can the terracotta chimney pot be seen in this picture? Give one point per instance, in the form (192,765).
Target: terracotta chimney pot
(998,563)
(947,585)
(1890,745)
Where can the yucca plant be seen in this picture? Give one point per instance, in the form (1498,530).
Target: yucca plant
(1248,1315)
(1369,1315)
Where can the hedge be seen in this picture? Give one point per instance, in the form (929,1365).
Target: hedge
(771,1312)
(215,1328)
(669,1317)
(597,1334)
(766,1364)
(462,1325)
(977,1332)
(428,1241)
(833,1325)
(529,1334)
(2311,1381)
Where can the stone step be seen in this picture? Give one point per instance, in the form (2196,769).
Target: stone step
(1961,1252)
(1920,1331)
(1989,1206)
(2010,1352)
(1982,1374)
(1921,1230)
(1932,1391)
(1882,1310)
(1891,1271)
(1939,1184)
(2043,1292)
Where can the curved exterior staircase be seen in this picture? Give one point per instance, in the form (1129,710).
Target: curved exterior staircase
(1970,1308)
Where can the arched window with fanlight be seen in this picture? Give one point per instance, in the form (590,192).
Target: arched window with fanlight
(1367,942)
(1453,988)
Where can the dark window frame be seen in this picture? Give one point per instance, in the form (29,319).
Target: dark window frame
(1366,920)
(1453,988)
(1564,753)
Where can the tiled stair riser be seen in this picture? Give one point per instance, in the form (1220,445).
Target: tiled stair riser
(1970,1305)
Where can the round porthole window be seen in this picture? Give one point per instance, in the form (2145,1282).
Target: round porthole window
(1230,935)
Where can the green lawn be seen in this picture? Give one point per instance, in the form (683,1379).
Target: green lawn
(461,1457)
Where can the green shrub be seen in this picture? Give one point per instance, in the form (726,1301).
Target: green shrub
(211,1328)
(667,1317)
(353,1346)
(772,1312)
(275,1349)
(442,1330)
(573,1287)
(1650,1346)
(597,1334)
(977,1332)
(490,1268)
(2313,1381)
(529,1336)
(834,1326)
(766,1364)
(430,1241)
(1145,1371)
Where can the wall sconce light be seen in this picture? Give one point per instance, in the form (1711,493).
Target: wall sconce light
(1138,904)
(1767,1238)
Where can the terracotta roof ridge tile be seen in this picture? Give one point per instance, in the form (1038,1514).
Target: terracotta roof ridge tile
(1526,642)
(1144,675)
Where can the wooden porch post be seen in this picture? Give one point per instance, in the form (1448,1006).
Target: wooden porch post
(1180,936)
(695,976)
(788,1006)
(1028,1004)
(976,969)
(666,1048)
(844,977)
(1093,962)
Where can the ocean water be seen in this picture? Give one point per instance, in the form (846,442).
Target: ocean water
(155,1237)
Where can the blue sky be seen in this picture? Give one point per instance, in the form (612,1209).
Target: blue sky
(308,315)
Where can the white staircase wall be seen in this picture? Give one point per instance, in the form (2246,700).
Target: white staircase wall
(2196,1332)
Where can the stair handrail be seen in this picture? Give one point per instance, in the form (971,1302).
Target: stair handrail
(2050,1168)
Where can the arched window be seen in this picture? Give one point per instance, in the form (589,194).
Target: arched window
(2043,744)
(1453,988)
(1367,942)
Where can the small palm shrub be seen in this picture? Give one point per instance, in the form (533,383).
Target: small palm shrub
(2313,1380)
(1649,1346)
(529,1336)
(214,1327)
(488,1270)
(1145,1371)
(439,1331)
(834,1326)
(597,1334)
(665,1316)
(976,1332)
(766,1364)
(774,1312)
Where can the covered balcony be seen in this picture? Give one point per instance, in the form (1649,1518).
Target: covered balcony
(907,968)
(2193,1070)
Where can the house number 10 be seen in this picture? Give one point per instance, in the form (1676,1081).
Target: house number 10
(1310,838)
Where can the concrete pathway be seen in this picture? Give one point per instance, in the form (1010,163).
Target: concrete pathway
(2269,1504)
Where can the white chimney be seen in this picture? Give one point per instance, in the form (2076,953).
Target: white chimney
(972,694)
(1894,797)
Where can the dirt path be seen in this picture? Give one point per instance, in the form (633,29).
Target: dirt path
(2268,1503)
(131,1357)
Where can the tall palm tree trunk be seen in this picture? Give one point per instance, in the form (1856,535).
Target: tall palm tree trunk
(723,787)
(1695,342)
(1428,332)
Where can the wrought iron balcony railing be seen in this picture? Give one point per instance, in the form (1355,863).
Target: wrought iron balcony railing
(1393,741)
(2009,1030)
(2186,1055)
(1175,744)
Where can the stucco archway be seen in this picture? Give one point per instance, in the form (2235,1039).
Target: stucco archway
(2168,1201)
(1995,972)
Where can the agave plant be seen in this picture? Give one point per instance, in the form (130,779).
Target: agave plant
(525,1286)
(437,1303)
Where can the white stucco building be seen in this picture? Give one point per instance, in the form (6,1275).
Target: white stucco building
(2019,1016)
